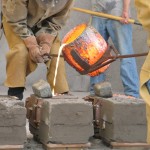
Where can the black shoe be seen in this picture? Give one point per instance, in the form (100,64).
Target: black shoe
(17,92)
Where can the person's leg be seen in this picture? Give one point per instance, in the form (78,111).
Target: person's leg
(121,36)
(17,63)
(61,81)
(99,25)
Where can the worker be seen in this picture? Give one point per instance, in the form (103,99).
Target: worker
(120,33)
(143,11)
(31,28)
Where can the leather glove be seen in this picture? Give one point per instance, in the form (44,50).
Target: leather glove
(45,41)
(34,49)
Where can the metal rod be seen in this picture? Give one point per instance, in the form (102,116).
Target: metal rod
(112,57)
(104,15)
(128,56)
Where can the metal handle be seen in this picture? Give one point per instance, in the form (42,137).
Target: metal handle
(105,15)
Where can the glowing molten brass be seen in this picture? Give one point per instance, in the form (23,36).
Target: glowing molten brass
(84,49)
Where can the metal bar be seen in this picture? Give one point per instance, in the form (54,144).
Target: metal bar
(128,56)
(117,56)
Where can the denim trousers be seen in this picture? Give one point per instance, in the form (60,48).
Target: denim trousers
(121,36)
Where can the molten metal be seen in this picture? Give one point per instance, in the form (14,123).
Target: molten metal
(84,49)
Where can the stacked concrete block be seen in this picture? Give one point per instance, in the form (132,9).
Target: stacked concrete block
(65,120)
(123,120)
(12,121)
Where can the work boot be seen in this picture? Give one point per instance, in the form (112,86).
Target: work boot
(17,92)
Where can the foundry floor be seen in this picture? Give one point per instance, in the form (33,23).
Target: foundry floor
(96,144)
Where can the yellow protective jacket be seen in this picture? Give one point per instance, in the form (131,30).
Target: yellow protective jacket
(29,17)
(23,18)
(143,12)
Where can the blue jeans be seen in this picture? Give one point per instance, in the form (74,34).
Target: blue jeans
(121,36)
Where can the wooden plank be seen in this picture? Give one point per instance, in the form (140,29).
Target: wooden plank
(11,147)
(66,146)
(121,144)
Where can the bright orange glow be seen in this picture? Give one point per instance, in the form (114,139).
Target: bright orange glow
(74,34)
(88,44)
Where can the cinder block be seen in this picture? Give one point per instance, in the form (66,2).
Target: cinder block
(65,134)
(12,135)
(123,111)
(123,120)
(66,121)
(12,121)
(14,116)
(124,133)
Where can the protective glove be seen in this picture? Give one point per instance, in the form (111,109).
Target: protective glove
(45,41)
(34,49)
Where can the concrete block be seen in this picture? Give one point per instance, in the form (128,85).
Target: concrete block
(12,135)
(7,102)
(12,121)
(66,121)
(103,89)
(12,112)
(8,119)
(118,110)
(123,119)
(65,134)
(124,133)
(42,89)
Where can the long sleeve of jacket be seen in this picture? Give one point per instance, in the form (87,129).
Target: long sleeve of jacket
(15,13)
(61,18)
(57,21)
(28,18)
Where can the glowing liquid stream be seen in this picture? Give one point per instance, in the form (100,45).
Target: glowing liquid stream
(56,69)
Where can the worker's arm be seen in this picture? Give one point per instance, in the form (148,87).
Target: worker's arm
(125,11)
(126,5)
(56,22)
(15,13)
